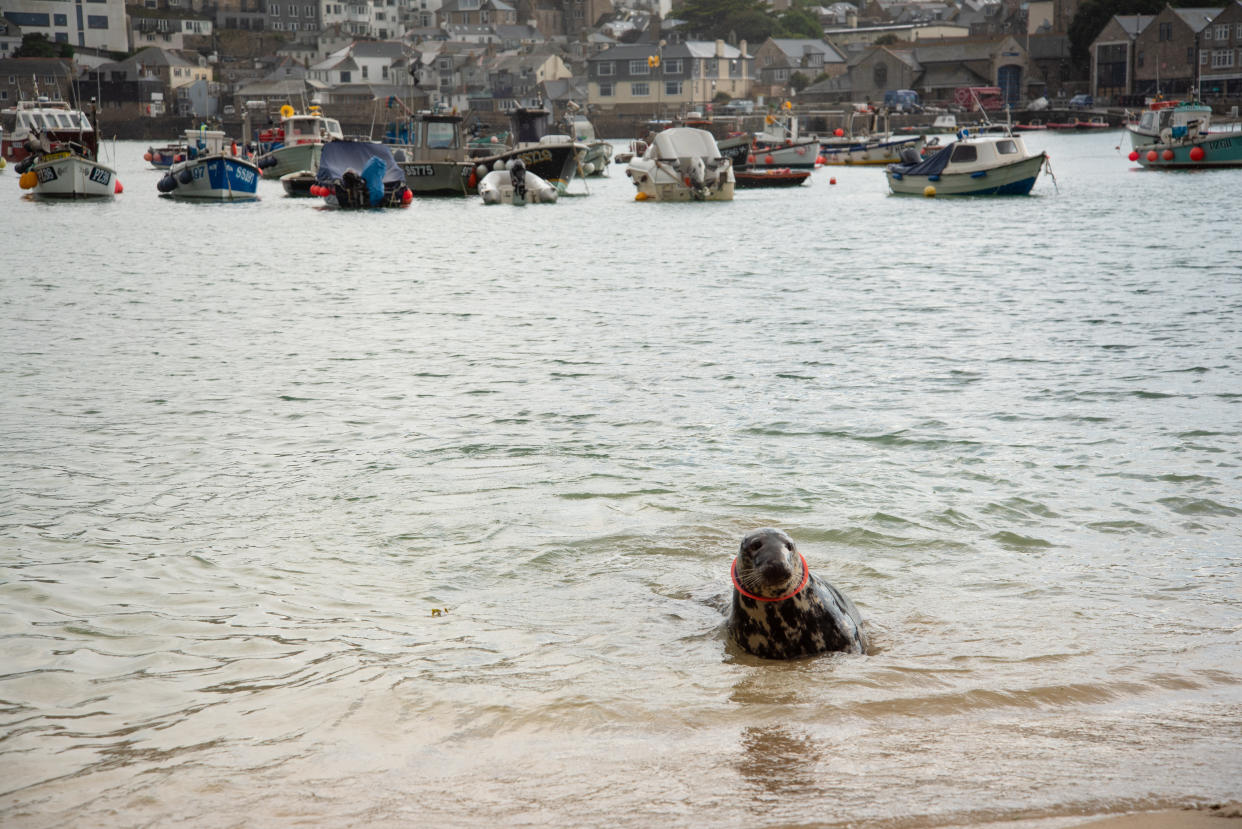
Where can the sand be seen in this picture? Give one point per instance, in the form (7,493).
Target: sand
(1216,816)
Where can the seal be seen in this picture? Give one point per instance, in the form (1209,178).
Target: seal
(781,610)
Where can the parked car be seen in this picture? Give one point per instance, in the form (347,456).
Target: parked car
(1081,102)
(738,107)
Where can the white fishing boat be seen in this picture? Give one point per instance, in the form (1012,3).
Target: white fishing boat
(781,145)
(297,143)
(211,169)
(57,152)
(872,144)
(68,172)
(514,184)
(976,164)
(682,164)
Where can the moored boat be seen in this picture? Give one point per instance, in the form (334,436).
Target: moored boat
(296,144)
(360,174)
(297,184)
(211,169)
(682,164)
(58,156)
(598,153)
(1173,135)
(770,177)
(872,144)
(551,156)
(515,185)
(976,164)
(432,153)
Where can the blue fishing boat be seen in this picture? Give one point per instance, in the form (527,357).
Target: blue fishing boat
(211,170)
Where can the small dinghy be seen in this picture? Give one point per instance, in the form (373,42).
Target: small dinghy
(515,185)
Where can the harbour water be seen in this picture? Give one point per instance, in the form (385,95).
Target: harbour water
(424,516)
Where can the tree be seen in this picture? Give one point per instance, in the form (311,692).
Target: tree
(749,20)
(799,81)
(798,22)
(36,45)
(886,40)
(1093,16)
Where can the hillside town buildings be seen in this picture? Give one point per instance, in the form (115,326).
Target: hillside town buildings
(211,57)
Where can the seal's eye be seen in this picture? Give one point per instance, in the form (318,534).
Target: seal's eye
(754,546)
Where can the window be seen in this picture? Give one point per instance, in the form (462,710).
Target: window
(364,72)
(1222,58)
(640,89)
(604,68)
(293,27)
(275,9)
(672,88)
(97,21)
(672,67)
(384,72)
(1237,32)
(1203,56)
(964,152)
(1207,32)
(1166,31)
(1222,31)
(639,67)
(1006,147)
(60,20)
(880,73)
(278,26)
(1139,58)
(293,10)
(605,90)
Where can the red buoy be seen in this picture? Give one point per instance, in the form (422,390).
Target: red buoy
(1134,155)
(832,181)
(838,132)
(1151,155)
(117,188)
(1167,155)
(1197,154)
(767,159)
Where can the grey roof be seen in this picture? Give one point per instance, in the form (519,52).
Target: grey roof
(378,49)
(1197,19)
(797,47)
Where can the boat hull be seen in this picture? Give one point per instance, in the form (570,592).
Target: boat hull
(874,152)
(556,164)
(290,159)
(1014,179)
(64,175)
(774,177)
(297,184)
(1214,150)
(801,155)
(216,178)
(438,178)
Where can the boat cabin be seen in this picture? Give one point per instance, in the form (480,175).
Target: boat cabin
(1177,118)
(53,120)
(311,128)
(528,125)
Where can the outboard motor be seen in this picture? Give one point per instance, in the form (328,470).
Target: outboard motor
(909,155)
(517,177)
(698,179)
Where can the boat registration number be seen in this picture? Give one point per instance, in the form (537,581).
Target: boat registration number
(55,156)
(419,170)
(47,174)
(100,175)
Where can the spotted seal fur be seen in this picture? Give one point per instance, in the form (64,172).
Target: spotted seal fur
(780,610)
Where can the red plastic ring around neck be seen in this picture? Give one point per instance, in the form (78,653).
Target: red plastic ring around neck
(806,577)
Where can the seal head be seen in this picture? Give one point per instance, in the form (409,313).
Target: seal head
(780,610)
